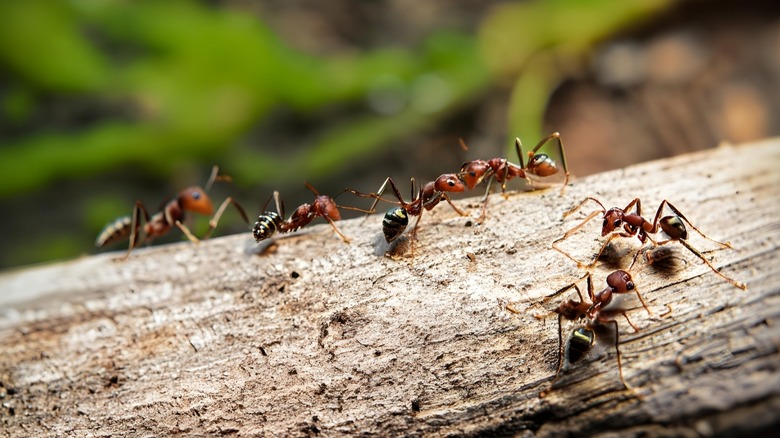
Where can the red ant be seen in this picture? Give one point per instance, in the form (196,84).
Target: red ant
(270,222)
(192,199)
(583,338)
(396,219)
(624,223)
(500,169)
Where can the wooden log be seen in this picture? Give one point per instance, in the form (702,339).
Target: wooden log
(312,336)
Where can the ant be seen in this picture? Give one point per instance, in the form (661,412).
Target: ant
(621,222)
(192,199)
(429,196)
(269,222)
(582,338)
(500,169)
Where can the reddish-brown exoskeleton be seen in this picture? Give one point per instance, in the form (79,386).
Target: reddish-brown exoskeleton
(270,222)
(428,197)
(594,312)
(193,199)
(622,222)
(500,169)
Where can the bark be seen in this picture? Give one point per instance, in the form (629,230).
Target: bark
(312,336)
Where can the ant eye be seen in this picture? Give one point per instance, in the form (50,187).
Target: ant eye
(472,173)
(196,195)
(616,223)
(604,224)
(451,183)
(630,285)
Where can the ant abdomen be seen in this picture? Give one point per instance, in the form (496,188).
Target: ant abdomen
(674,227)
(580,343)
(116,231)
(266,225)
(395,222)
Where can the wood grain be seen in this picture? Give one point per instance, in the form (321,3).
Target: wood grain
(312,336)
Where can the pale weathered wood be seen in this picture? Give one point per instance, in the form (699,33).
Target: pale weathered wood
(315,336)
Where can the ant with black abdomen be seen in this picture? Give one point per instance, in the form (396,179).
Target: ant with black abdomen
(192,199)
(500,169)
(269,222)
(621,222)
(583,338)
(429,196)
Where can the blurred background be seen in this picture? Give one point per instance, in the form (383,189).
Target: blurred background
(103,103)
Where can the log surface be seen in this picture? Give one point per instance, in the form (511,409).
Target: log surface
(311,336)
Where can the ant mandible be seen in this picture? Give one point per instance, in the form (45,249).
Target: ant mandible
(500,169)
(583,338)
(621,222)
(269,222)
(192,199)
(429,196)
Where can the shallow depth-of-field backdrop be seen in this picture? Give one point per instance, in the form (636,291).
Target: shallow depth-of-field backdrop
(103,103)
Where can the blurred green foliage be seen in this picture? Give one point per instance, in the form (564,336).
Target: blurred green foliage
(183,82)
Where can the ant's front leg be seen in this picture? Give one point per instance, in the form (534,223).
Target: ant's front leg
(572,231)
(578,206)
(215,220)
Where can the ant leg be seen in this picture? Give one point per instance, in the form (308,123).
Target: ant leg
(504,180)
(378,195)
(591,294)
(678,213)
(215,220)
(216,177)
(414,230)
(625,315)
(279,204)
(572,231)
(617,350)
(212,177)
(346,207)
(187,232)
(336,229)
(354,192)
(560,360)
(135,225)
(560,291)
(375,196)
(578,206)
(449,201)
(601,251)
(485,200)
(738,284)
(638,204)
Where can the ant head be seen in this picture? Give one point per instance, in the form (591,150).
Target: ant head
(327,206)
(542,165)
(449,183)
(674,227)
(613,219)
(395,222)
(473,172)
(196,200)
(580,342)
(620,281)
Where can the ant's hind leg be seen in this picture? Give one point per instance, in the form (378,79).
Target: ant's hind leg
(135,226)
